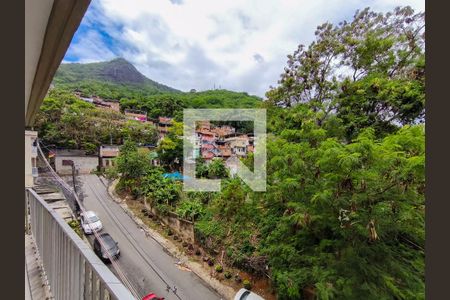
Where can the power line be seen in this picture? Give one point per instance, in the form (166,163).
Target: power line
(129,236)
(115,265)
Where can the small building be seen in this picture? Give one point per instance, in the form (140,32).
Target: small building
(208,155)
(203,125)
(135,114)
(207,147)
(224,151)
(113,105)
(222,131)
(107,155)
(238,144)
(164,124)
(153,155)
(84,164)
(207,137)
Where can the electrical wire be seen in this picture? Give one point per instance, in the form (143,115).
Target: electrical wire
(115,265)
(121,274)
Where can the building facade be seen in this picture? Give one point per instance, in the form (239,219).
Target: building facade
(30,157)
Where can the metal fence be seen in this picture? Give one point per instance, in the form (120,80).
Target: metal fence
(71,267)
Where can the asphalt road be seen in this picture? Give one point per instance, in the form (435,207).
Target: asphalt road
(144,262)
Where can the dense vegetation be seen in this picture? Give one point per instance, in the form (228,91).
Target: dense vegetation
(343,215)
(172,104)
(65,121)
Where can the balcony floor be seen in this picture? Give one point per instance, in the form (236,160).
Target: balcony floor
(34,285)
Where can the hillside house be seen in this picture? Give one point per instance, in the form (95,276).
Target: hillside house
(224,151)
(135,114)
(206,137)
(106,156)
(113,105)
(164,124)
(238,144)
(208,155)
(223,131)
(203,125)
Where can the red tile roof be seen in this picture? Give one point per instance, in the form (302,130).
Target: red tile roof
(207,155)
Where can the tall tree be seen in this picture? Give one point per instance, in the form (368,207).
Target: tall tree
(374,55)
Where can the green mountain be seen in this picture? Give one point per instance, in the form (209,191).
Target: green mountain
(113,79)
(120,80)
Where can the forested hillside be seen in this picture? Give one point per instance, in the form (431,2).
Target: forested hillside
(65,121)
(172,105)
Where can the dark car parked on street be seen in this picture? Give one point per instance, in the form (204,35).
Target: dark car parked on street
(107,245)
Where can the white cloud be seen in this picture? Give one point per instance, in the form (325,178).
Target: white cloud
(91,49)
(239,45)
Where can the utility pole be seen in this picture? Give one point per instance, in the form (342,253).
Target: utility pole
(77,207)
(73,178)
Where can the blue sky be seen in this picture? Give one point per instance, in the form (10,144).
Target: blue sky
(239,45)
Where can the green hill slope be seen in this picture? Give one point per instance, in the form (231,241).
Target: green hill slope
(113,79)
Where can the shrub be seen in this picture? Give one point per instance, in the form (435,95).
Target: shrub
(247,284)
(75,225)
(111,173)
(190,209)
(227,275)
(219,268)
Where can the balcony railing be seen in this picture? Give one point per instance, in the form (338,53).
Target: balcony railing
(71,267)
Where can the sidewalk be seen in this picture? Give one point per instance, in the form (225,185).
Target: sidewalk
(35,288)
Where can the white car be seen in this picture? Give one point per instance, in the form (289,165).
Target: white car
(244,294)
(90,222)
